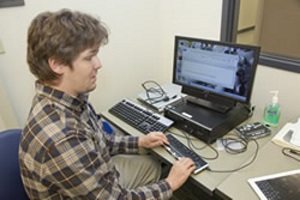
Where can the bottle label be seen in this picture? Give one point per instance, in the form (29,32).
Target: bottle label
(272,112)
(271,116)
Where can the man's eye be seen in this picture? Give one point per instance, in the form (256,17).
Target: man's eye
(89,58)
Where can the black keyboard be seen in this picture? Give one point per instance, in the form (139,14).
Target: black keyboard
(139,117)
(179,150)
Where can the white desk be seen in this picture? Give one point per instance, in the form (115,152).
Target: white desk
(207,181)
(270,160)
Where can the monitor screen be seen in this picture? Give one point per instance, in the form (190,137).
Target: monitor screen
(215,70)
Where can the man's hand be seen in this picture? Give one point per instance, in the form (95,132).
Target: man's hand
(153,139)
(180,172)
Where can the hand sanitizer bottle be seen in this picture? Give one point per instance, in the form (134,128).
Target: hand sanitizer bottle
(272,111)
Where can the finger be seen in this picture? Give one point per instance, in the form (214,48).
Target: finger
(161,137)
(156,143)
(189,164)
(187,161)
(184,160)
(165,141)
(191,169)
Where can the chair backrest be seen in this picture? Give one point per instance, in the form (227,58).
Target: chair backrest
(11,186)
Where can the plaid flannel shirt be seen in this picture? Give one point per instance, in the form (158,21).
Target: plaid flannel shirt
(65,154)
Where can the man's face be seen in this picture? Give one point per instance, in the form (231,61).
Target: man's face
(82,77)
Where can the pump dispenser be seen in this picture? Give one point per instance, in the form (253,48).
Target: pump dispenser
(272,111)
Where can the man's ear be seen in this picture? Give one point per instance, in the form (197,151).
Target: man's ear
(56,66)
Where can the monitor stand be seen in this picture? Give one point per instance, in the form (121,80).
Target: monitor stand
(212,105)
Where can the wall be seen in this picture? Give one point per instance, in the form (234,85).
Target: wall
(268,79)
(248,13)
(6,109)
(247,23)
(287,83)
(280,29)
(140,46)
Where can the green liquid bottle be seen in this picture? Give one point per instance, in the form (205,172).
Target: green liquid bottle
(272,111)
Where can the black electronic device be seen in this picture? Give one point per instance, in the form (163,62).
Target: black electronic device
(218,79)
(253,131)
(205,124)
(215,74)
(179,150)
(139,117)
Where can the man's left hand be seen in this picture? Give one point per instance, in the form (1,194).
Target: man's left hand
(153,139)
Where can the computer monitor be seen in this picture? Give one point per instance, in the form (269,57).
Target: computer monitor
(215,74)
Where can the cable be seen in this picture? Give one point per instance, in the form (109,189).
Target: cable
(160,94)
(294,154)
(244,165)
(192,146)
(230,142)
(249,108)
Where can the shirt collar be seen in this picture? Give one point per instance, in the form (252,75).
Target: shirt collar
(76,103)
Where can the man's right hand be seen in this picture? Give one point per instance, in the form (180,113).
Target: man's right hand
(179,172)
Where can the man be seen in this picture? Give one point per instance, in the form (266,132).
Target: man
(65,152)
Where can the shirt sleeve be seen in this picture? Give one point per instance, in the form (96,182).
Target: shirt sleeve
(118,142)
(79,170)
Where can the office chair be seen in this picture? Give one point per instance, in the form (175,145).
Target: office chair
(11,186)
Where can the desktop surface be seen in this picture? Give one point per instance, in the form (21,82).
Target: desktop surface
(206,180)
(270,160)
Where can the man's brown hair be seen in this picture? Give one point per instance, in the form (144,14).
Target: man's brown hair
(62,35)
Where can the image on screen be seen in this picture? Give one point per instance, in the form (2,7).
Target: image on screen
(213,67)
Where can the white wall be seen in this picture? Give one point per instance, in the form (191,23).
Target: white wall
(140,47)
(288,85)
(9,121)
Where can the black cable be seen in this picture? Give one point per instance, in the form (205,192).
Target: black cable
(250,109)
(228,142)
(244,165)
(192,146)
(231,141)
(161,95)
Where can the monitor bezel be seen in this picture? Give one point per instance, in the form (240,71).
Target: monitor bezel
(210,95)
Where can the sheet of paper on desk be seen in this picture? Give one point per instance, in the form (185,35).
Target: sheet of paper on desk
(172,91)
(283,137)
